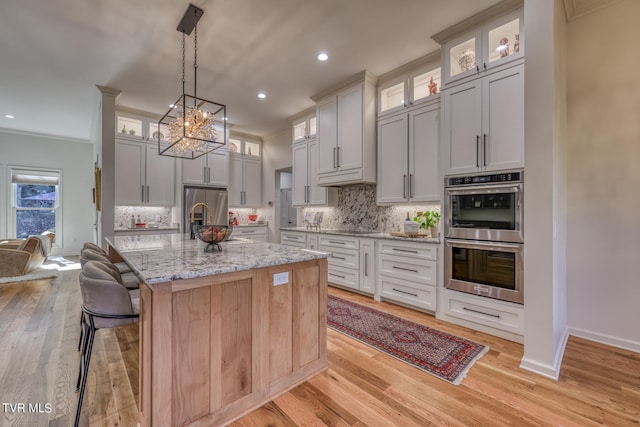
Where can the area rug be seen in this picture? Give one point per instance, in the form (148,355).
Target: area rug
(40,273)
(446,356)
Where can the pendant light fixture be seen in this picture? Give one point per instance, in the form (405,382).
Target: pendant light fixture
(193,126)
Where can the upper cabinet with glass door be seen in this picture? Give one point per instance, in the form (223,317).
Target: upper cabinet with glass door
(483,47)
(243,147)
(409,85)
(304,128)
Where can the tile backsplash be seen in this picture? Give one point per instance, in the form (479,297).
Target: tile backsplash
(356,209)
(153,214)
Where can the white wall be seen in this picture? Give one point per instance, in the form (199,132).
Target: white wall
(276,154)
(75,160)
(603,265)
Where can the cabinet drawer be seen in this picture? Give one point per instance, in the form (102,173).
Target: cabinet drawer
(344,277)
(485,312)
(408,293)
(293,239)
(409,249)
(340,242)
(421,271)
(347,259)
(257,233)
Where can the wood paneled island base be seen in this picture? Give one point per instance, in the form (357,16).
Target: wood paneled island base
(214,348)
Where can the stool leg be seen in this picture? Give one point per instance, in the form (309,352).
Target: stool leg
(81,329)
(83,353)
(92,334)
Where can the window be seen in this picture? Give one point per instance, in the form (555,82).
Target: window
(35,201)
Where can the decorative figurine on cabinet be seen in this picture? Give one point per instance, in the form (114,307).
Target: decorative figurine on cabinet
(504,47)
(516,44)
(433,87)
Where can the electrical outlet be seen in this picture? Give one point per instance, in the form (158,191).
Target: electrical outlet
(281,278)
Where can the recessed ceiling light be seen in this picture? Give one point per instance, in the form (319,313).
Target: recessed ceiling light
(322,56)
(225,118)
(262,95)
(9,116)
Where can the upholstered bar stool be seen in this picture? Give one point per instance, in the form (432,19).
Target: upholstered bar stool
(106,303)
(122,266)
(128,279)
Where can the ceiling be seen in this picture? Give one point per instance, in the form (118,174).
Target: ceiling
(53,53)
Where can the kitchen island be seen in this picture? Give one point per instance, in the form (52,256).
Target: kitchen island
(222,333)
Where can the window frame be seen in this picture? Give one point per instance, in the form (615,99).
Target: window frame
(11,195)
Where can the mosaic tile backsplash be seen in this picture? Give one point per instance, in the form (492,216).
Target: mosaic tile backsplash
(148,214)
(356,209)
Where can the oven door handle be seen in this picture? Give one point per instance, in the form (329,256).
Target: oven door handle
(484,245)
(486,189)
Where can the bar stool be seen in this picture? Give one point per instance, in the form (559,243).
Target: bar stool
(106,303)
(122,266)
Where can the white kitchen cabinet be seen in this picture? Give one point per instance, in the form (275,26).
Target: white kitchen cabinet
(492,316)
(306,191)
(143,176)
(484,123)
(304,128)
(367,266)
(245,182)
(471,51)
(399,89)
(297,239)
(344,262)
(253,232)
(407,273)
(211,169)
(408,166)
(346,133)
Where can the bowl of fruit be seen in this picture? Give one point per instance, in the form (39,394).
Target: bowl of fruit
(212,235)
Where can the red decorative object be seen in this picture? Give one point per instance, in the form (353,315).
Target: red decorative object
(253,217)
(433,87)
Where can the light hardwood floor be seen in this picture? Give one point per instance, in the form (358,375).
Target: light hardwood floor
(598,385)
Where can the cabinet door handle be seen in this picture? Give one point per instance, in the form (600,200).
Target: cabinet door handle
(477,151)
(366,264)
(485,66)
(339,257)
(477,69)
(405,292)
(484,149)
(338,157)
(147,194)
(411,189)
(208,174)
(337,275)
(334,157)
(142,193)
(497,316)
(404,269)
(404,186)
(411,251)
(337,243)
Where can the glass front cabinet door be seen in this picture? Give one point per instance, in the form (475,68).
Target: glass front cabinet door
(475,52)
(407,90)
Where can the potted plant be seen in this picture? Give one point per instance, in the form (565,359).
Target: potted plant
(428,220)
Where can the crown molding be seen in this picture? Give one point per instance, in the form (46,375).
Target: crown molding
(575,9)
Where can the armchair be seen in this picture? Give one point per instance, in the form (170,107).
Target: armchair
(20,257)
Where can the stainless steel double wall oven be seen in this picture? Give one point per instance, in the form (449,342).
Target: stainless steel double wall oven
(484,235)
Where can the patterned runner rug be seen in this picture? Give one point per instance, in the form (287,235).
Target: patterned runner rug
(444,355)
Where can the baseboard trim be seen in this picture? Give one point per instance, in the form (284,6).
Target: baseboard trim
(605,339)
(544,369)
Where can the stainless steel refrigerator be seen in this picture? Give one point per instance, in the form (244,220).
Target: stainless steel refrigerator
(215,198)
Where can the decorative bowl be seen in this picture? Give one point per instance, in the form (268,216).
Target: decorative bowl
(212,234)
(253,217)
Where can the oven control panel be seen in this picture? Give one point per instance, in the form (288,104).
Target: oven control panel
(484,179)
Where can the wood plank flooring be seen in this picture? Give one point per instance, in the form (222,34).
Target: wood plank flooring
(39,320)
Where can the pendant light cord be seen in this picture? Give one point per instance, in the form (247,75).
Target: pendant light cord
(195,66)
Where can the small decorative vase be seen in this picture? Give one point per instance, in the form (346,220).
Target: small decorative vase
(467,60)
(435,231)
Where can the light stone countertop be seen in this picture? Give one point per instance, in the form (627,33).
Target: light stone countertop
(167,257)
(365,234)
(147,229)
